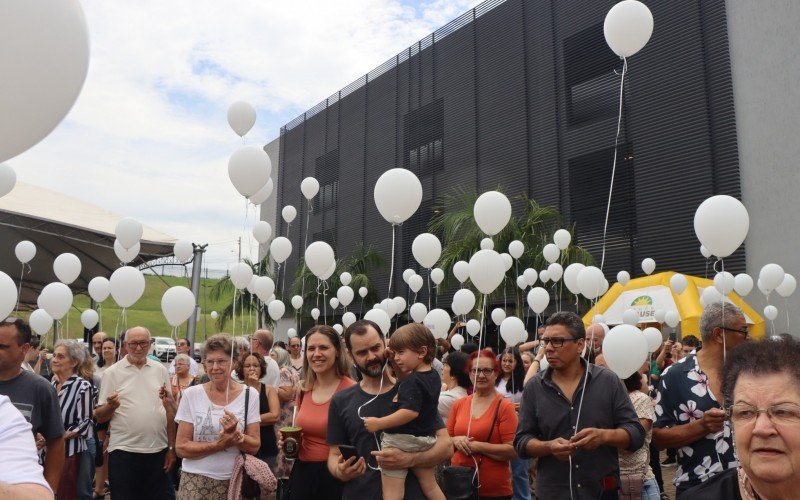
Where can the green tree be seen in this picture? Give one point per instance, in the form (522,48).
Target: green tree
(246,304)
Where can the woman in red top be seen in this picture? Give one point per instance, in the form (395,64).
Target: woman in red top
(482,426)
(325,369)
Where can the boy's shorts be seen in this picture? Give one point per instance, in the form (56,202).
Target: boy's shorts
(408,443)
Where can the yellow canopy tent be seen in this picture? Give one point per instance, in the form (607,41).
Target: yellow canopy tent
(648,294)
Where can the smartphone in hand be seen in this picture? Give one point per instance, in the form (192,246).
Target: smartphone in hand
(348,451)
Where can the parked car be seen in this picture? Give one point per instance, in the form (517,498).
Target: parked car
(163,348)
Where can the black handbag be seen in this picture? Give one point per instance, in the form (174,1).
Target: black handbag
(460,482)
(250,487)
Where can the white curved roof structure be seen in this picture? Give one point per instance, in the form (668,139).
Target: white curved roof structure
(57,223)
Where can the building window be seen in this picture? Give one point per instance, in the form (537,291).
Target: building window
(327,174)
(424,130)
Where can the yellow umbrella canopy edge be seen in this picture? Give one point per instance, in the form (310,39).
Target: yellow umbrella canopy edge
(757,329)
(613,293)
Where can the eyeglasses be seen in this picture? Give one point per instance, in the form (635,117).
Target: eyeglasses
(744,333)
(482,371)
(555,341)
(216,362)
(784,413)
(138,344)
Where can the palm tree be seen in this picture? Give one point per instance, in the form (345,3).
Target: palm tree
(245,304)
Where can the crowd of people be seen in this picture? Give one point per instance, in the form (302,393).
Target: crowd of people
(357,415)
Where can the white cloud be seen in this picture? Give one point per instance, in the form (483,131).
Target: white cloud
(148,136)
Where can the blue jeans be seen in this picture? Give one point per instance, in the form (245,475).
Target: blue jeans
(86,471)
(519,478)
(650,490)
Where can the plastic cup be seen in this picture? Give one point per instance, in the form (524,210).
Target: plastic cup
(292,437)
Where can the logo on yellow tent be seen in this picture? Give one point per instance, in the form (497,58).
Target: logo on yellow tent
(642,301)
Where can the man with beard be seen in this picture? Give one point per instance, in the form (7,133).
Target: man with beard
(372,397)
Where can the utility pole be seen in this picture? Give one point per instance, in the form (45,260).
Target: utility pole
(197,269)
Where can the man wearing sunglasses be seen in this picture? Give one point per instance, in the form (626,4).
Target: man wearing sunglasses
(574,417)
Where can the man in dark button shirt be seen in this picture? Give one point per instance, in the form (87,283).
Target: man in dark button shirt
(372,397)
(575,416)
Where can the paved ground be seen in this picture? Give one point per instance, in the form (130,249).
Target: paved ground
(669,474)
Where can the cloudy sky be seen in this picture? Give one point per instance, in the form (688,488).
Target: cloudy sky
(148,136)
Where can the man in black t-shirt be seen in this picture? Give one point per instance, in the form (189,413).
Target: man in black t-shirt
(372,397)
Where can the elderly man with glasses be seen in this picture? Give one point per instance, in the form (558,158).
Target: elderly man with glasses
(574,417)
(689,403)
(296,360)
(182,347)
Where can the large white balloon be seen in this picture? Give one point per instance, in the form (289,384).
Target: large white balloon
(678,283)
(40,321)
(292,333)
(126,286)
(654,338)
(551,252)
(126,255)
(426,249)
(380,318)
(309,187)
(492,212)
(627,27)
(263,194)
(648,266)
(99,289)
(418,312)
(128,231)
(742,284)
(457,341)
(516,248)
(334,302)
(487,244)
(660,315)
(555,271)
(672,318)
(630,317)
(315,314)
(498,315)
(709,296)
(289,213)
(590,281)
(280,249)
(486,270)
(25,251)
(522,283)
(415,283)
(348,319)
(571,277)
(787,286)
(473,327)
(297,302)
(56,299)
(408,273)
(538,299)
(721,223)
(512,329)
(178,304)
(8,295)
(249,169)
(437,276)
(562,239)
(264,287)
(531,276)
(771,312)
(704,251)
(345,278)
(241,117)
(625,350)
(389,306)
(262,231)
(463,301)
(44,59)
(67,267)
(319,257)
(508,260)
(8,179)
(438,322)
(398,193)
(183,251)
(461,271)
(276,308)
(345,294)
(399,304)
(362,292)
(771,276)
(544,276)
(623,277)
(240,275)
(724,282)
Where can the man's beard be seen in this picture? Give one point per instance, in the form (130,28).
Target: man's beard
(373,370)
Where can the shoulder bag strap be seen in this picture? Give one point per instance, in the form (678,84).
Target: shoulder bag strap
(494,422)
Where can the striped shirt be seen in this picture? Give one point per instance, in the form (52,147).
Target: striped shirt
(76,400)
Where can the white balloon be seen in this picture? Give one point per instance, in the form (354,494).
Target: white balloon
(262,231)
(678,283)
(380,318)
(604,289)
(44,59)
(183,251)
(8,179)
(214,315)
(486,270)
(178,304)
(771,312)
(362,292)
(418,312)
(438,322)
(315,313)
(787,286)
(348,319)
(327,274)
(345,279)
(512,329)
(56,299)
(461,271)
(437,276)
(648,266)
(742,284)
(8,295)
(771,276)
(128,231)
(334,302)
(297,302)
(339,329)
(241,117)
(623,277)
(240,275)
(389,306)
(654,339)
(599,318)
(625,350)
(721,223)
(672,318)
(280,249)
(126,255)
(516,248)
(724,282)
(264,287)
(590,282)
(627,28)
(463,301)
(67,267)
(397,194)
(319,257)
(522,283)
(126,286)
(487,244)
(40,321)
(543,365)
(492,212)
(538,299)
(544,276)
(562,239)
(25,251)
(630,317)
(660,315)
(551,252)
(508,260)
(291,333)
(99,289)
(555,271)
(571,277)
(276,308)
(531,276)
(704,251)
(408,273)
(457,341)
(309,187)
(249,169)
(250,286)
(399,304)
(709,296)
(289,213)
(426,249)
(761,287)
(415,283)
(263,194)
(345,294)
(473,327)
(498,315)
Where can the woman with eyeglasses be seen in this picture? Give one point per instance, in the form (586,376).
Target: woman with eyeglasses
(482,426)
(761,385)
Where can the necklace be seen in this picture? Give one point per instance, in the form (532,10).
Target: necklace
(745,486)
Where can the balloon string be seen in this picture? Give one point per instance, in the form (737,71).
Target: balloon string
(724,344)
(233,328)
(614,164)
(305,245)
(786,301)
(391,267)
(19,288)
(429,288)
